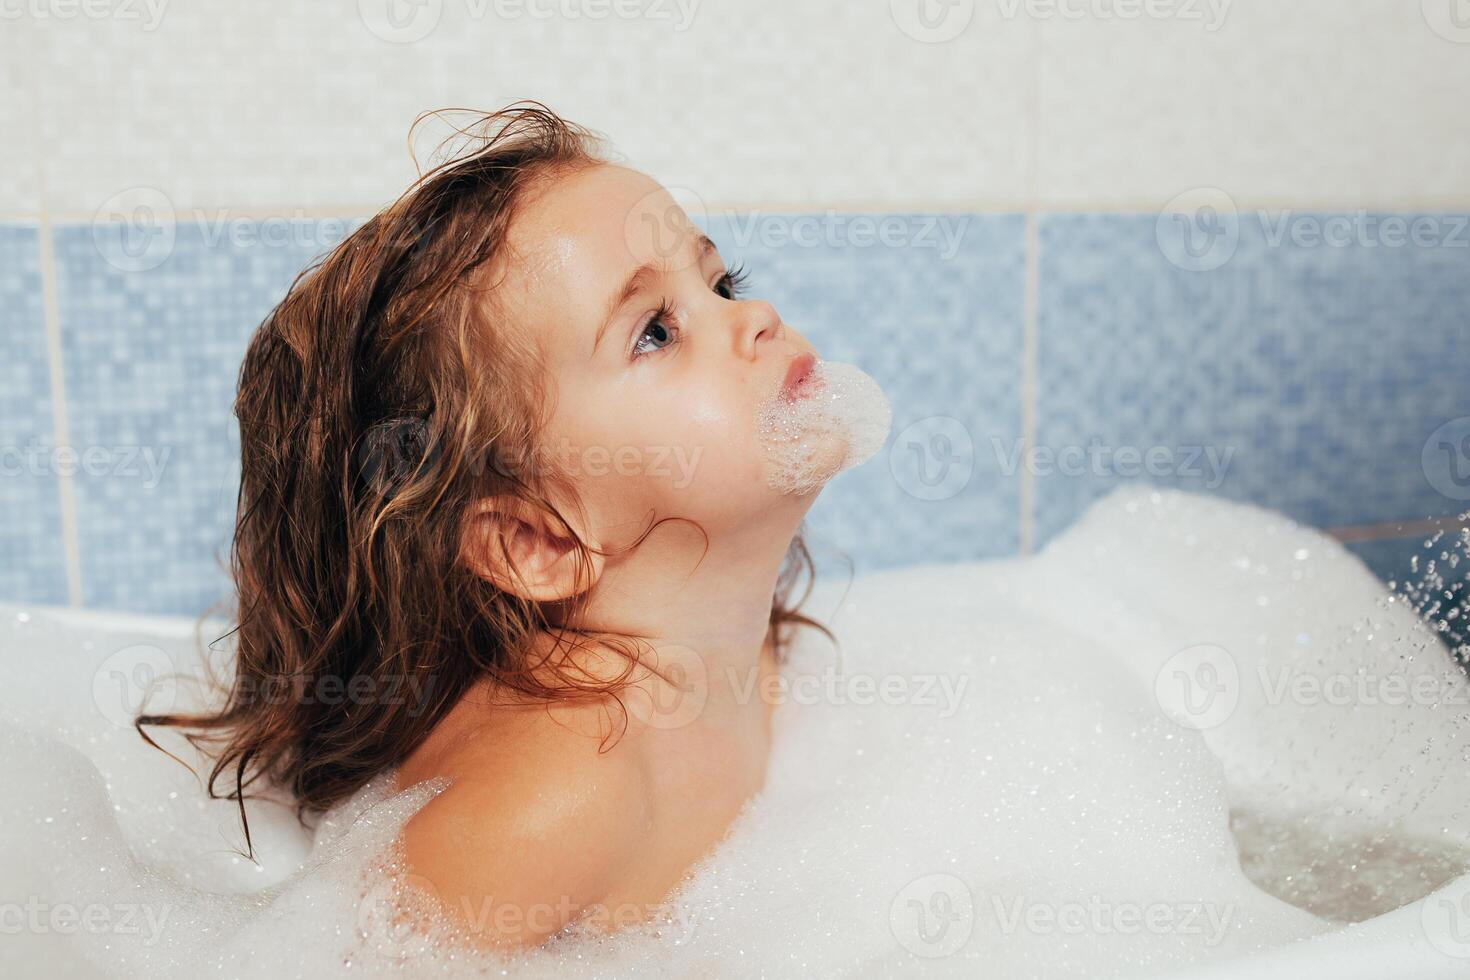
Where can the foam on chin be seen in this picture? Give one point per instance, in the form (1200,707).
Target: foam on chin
(842,403)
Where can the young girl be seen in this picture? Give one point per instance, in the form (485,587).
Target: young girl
(523,480)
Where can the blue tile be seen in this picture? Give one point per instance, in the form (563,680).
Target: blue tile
(32,559)
(1321,369)
(152,345)
(931,307)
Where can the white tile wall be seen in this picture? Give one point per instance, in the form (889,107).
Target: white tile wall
(285,106)
(1338,103)
(760,101)
(18,173)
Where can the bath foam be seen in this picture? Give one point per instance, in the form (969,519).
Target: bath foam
(1016,805)
(839,402)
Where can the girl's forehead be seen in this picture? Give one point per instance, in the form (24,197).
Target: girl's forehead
(573,243)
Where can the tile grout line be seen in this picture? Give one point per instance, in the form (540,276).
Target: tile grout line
(1021,205)
(1027,494)
(1026,491)
(1393,530)
(51,314)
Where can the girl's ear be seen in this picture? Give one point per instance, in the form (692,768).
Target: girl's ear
(525,551)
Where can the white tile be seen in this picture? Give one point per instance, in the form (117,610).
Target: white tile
(19,178)
(762,102)
(1345,103)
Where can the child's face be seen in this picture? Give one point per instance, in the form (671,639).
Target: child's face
(653,413)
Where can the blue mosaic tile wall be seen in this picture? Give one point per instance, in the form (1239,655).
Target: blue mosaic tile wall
(1307,379)
(151,355)
(32,560)
(1315,376)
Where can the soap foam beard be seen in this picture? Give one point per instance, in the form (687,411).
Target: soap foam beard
(844,403)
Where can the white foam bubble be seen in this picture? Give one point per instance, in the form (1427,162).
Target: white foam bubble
(982,781)
(840,421)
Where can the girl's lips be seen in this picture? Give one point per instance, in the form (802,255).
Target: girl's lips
(801,366)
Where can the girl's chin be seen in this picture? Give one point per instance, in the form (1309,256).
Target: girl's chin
(805,465)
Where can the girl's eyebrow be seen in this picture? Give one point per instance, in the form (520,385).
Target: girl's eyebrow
(638,281)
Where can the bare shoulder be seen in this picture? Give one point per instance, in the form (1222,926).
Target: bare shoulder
(528,834)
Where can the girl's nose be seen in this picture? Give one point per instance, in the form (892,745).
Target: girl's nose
(757,323)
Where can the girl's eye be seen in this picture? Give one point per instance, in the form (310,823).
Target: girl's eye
(733,282)
(664,333)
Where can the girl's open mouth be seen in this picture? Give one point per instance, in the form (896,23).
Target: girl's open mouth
(799,379)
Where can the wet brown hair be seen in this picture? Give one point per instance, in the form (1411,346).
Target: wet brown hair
(376,404)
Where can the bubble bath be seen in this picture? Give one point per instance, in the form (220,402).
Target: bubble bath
(1011,769)
(837,402)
